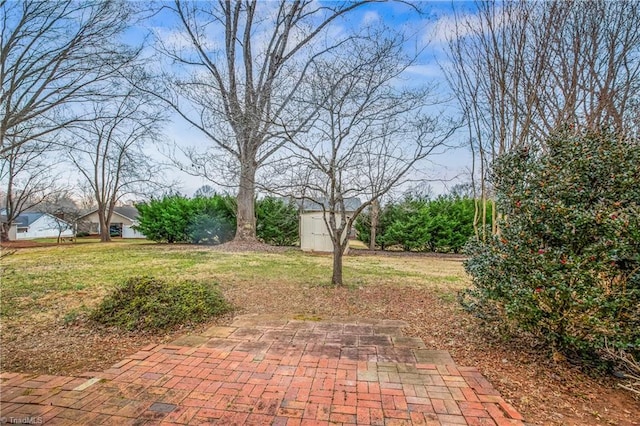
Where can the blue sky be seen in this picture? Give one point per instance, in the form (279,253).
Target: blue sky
(427,32)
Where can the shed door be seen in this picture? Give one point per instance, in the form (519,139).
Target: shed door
(322,240)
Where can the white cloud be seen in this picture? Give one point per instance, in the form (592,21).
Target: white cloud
(425,71)
(370,17)
(450,27)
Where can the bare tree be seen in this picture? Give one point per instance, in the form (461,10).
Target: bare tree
(368,133)
(64,211)
(244,64)
(204,191)
(593,65)
(522,69)
(54,55)
(374,215)
(27,180)
(109,153)
(494,85)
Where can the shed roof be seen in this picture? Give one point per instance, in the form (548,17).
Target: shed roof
(351,204)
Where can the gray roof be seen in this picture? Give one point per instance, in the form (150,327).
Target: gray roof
(26,219)
(127,211)
(350,204)
(130,212)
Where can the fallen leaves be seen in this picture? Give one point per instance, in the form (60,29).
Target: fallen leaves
(545,392)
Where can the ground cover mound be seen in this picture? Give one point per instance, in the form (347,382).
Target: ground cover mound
(145,303)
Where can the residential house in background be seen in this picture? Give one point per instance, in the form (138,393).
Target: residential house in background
(32,225)
(122,221)
(314,234)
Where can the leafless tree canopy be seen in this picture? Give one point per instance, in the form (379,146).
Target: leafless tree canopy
(109,152)
(367,132)
(523,69)
(27,180)
(239,92)
(64,211)
(54,55)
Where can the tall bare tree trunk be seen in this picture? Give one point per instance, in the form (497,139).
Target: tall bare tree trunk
(9,210)
(246,215)
(4,232)
(244,89)
(336,278)
(105,231)
(375,210)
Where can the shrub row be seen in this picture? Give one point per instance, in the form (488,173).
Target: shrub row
(212,220)
(443,224)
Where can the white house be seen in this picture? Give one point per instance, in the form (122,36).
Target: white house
(122,221)
(314,234)
(32,225)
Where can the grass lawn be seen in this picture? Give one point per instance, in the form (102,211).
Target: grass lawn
(47,291)
(52,282)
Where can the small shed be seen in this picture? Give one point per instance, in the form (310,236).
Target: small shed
(314,234)
(122,221)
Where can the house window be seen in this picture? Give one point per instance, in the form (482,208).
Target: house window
(22,230)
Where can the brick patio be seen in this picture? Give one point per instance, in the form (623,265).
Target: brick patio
(268,371)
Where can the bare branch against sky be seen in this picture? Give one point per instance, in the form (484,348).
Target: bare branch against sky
(366,134)
(522,69)
(237,68)
(54,58)
(109,152)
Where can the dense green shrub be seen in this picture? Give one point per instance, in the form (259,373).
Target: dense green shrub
(209,229)
(405,226)
(277,222)
(166,219)
(443,224)
(387,215)
(448,223)
(214,220)
(566,263)
(145,303)
(177,219)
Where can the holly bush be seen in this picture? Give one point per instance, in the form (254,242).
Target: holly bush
(565,264)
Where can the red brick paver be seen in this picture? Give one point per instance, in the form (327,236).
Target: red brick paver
(265,371)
